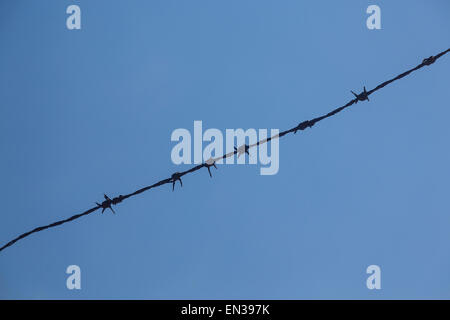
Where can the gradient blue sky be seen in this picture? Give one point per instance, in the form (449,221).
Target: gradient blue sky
(91,111)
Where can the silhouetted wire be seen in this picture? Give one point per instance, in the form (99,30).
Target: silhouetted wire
(107,203)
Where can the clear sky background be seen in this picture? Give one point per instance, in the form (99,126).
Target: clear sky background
(91,111)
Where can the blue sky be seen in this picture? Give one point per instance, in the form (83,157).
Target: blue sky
(91,111)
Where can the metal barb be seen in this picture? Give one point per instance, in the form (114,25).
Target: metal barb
(208,166)
(303,125)
(106,204)
(239,151)
(176,176)
(363,96)
(428,61)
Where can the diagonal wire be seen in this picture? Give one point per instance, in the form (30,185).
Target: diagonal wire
(107,203)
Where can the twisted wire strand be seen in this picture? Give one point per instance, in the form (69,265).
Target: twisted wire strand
(107,203)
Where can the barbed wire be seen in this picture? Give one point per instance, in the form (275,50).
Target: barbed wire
(108,202)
